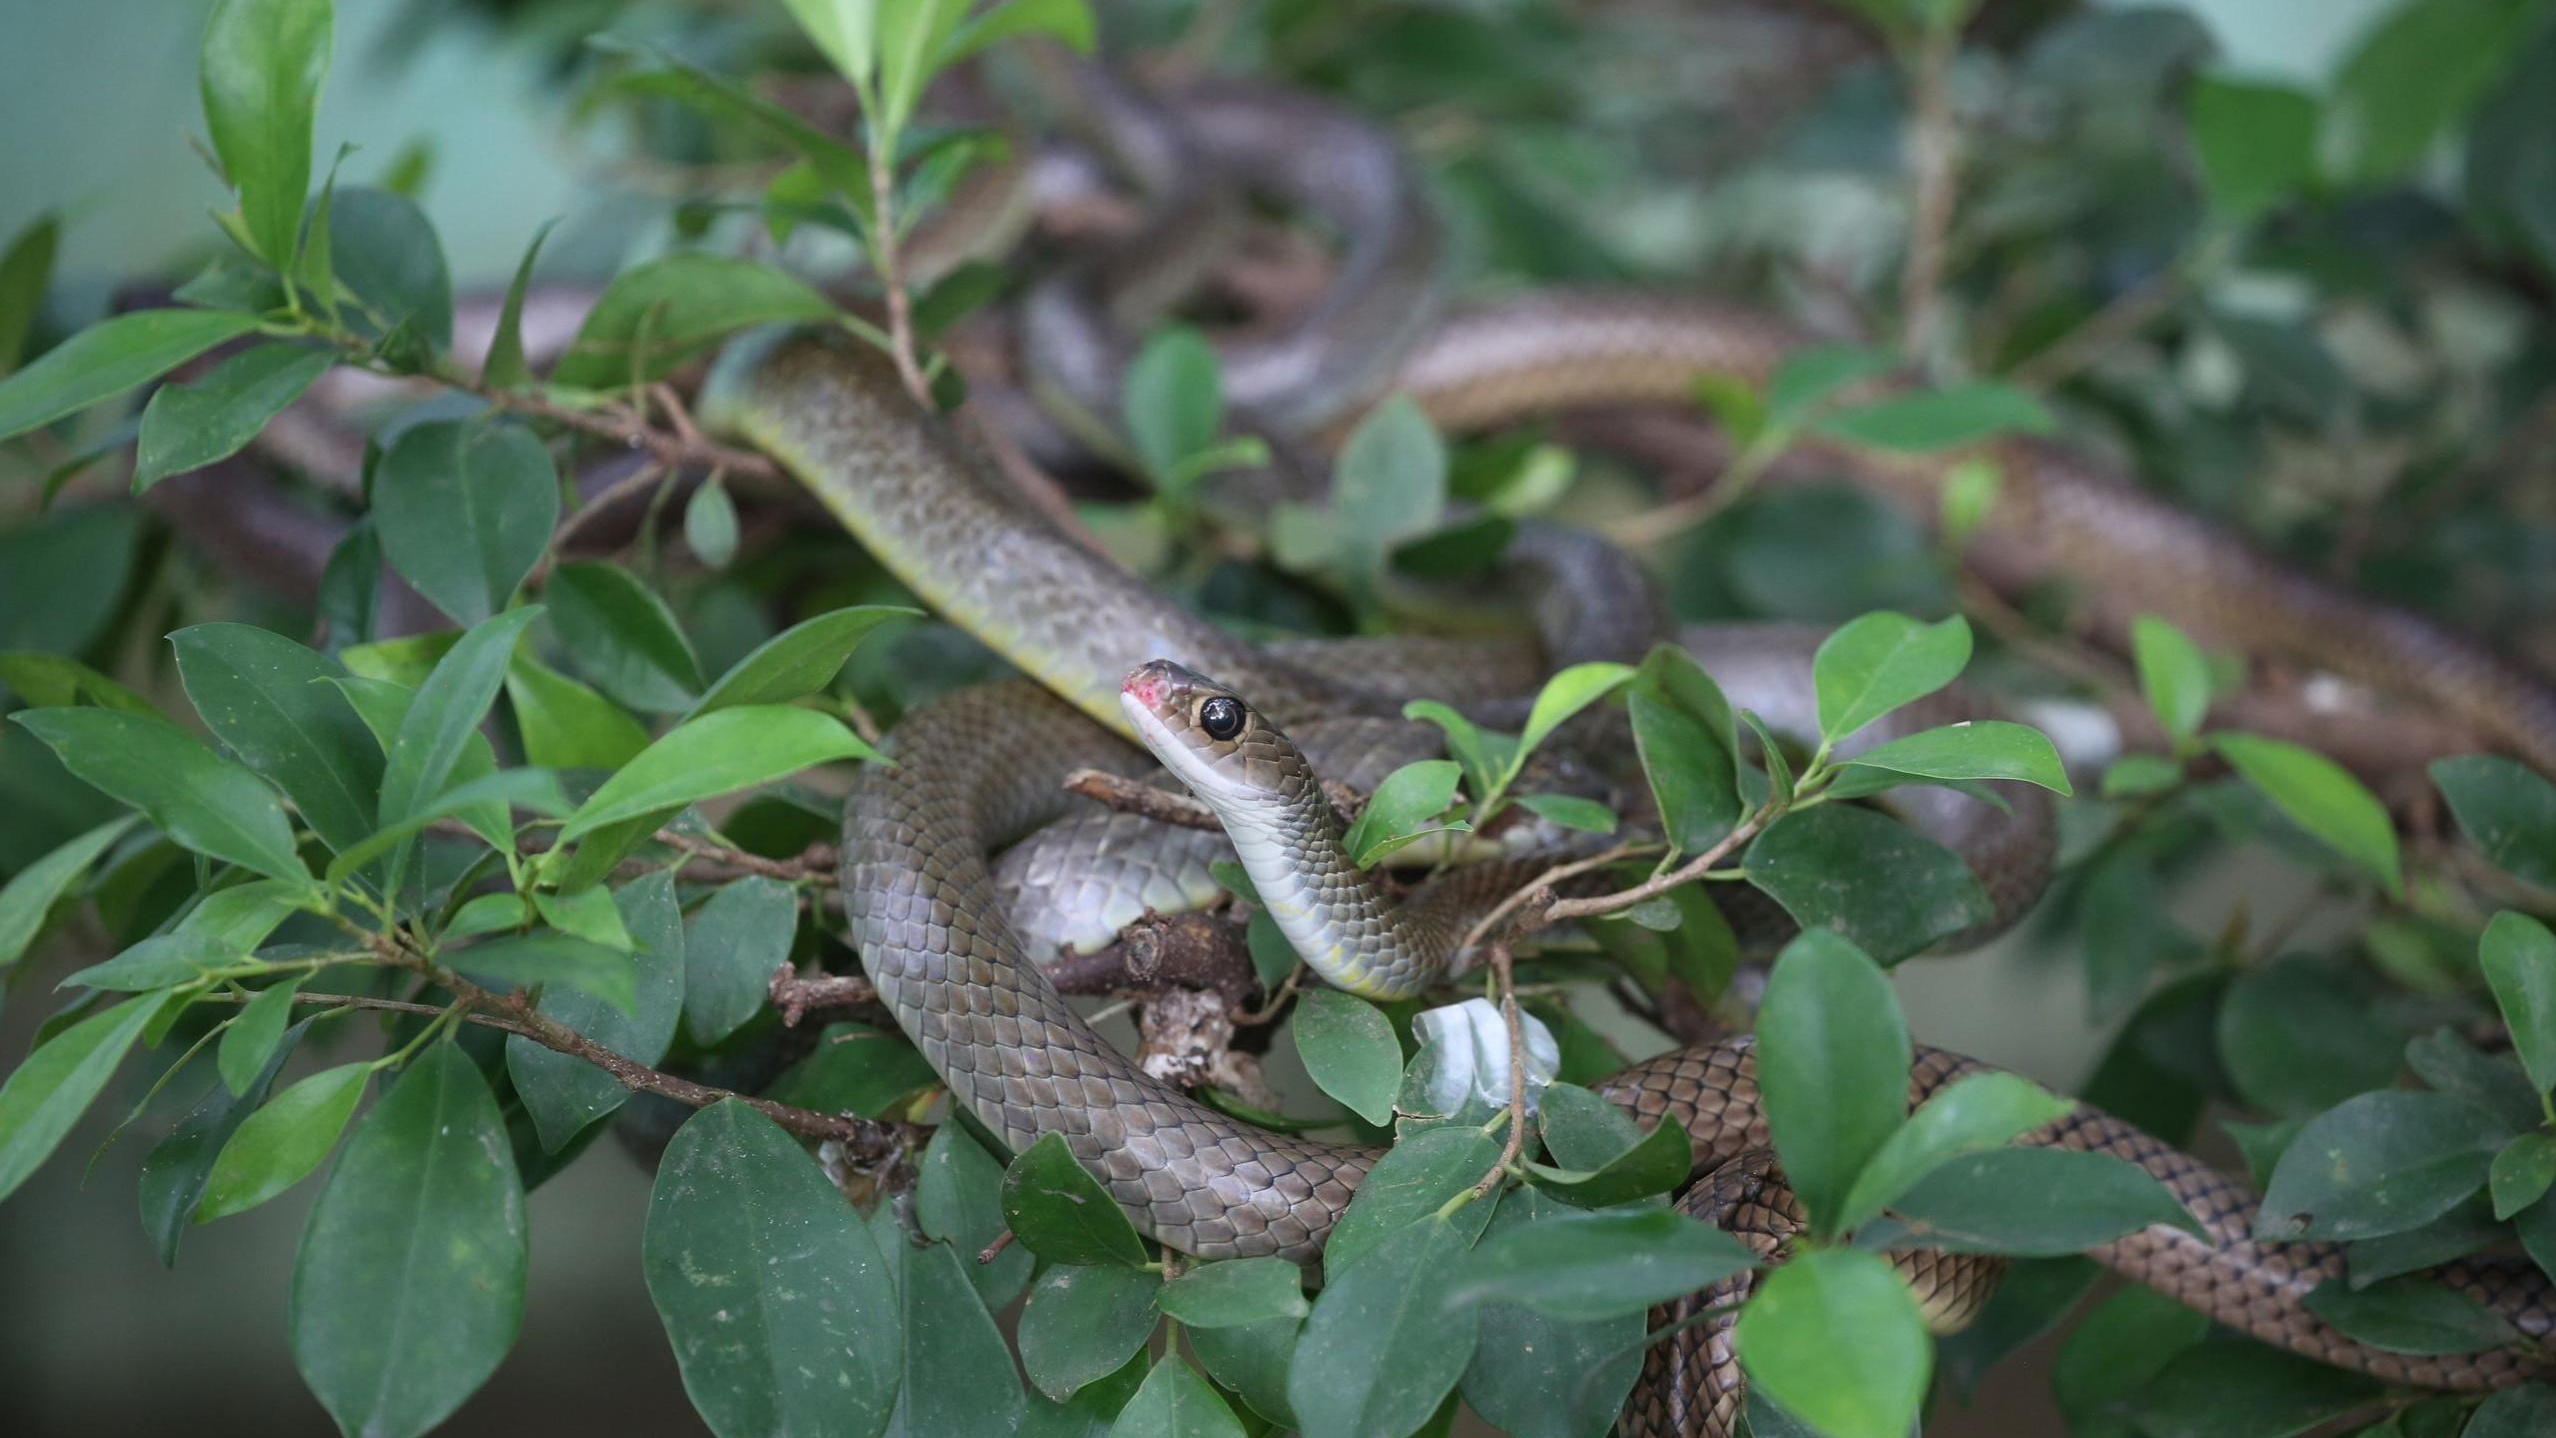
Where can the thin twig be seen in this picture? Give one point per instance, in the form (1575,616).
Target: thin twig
(1504,979)
(1134,796)
(816,861)
(795,997)
(883,256)
(1543,884)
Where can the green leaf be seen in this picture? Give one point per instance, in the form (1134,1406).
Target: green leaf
(2515,1413)
(1537,1376)
(482,802)
(624,637)
(958,1371)
(268,699)
(1253,1361)
(2321,796)
(567,725)
(1176,1403)
(505,368)
(1402,808)
(108,358)
(2413,77)
(738,940)
(1235,1292)
(53,681)
(2508,812)
(1832,1060)
(564,1094)
(801,660)
(2518,955)
(1564,695)
(710,524)
(175,1172)
(775,1298)
(1389,485)
(1410,1183)
(155,963)
(200,800)
(958,1196)
(911,40)
(828,162)
(464,509)
(1484,756)
(25,266)
(436,733)
(717,754)
(866,1071)
(1926,420)
(1063,1214)
(1970,495)
(1570,811)
(2495,1084)
(1816,373)
(1682,733)
(1350,1050)
(1788,1339)
(1380,1350)
(2295,1042)
(283,1142)
(2245,1390)
(1069,22)
(1173,399)
(654,316)
(2379,1164)
(2175,674)
(2522,1172)
(1978,1111)
(32,892)
(2034,1202)
(2256,144)
(48,1092)
(1976,749)
(2410,1315)
(2111,1357)
(262,67)
(410,1282)
(1609,1161)
(386,255)
(1082,1322)
(188,426)
(1866,876)
(552,960)
(1875,664)
(1581,1265)
(255,1035)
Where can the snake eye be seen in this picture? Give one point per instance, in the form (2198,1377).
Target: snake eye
(1221,717)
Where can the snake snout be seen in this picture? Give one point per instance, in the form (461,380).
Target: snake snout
(1157,681)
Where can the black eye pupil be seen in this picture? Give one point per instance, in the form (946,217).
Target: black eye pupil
(1221,718)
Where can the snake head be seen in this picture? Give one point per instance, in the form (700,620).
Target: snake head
(1209,737)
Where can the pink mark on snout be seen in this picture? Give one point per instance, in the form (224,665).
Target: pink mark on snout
(1145,683)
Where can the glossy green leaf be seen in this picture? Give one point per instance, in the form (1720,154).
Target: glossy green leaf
(958,1371)
(716,754)
(2522,1172)
(1093,1408)
(1866,876)
(25,267)
(564,1094)
(1814,374)
(1380,1351)
(2518,955)
(710,524)
(1082,1322)
(1875,664)
(47,1092)
(1390,483)
(1979,1111)
(676,307)
(739,939)
(1564,695)
(1534,1375)
(624,637)
(1069,22)
(410,1282)
(1063,1214)
(188,426)
(283,1142)
(1570,811)
(2245,1390)
(255,1034)
(1236,1291)
(801,660)
(176,1170)
(1682,733)
(1402,808)
(1926,420)
(1788,1335)
(108,358)
(2413,76)
(2410,1315)
(385,254)
(2295,1041)
(1832,1059)
(2378,1164)
(1582,1265)
(50,681)
(1978,749)
(958,1196)
(504,368)
(2507,809)
(1253,1361)
(2256,143)
(464,509)
(1606,1163)
(270,701)
(1350,1051)
(911,40)
(1484,756)
(483,801)
(856,1069)
(776,1300)
(200,800)
(1411,1182)
(567,725)
(2321,796)
(2174,673)
(1173,400)
(1176,1403)
(2493,1083)
(445,715)
(263,64)
(2034,1203)
(2521,1412)
(32,892)
(156,962)
(2111,1357)
(552,961)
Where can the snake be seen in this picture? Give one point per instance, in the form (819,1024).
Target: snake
(983,767)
